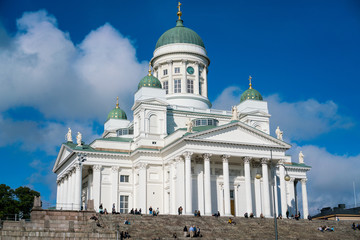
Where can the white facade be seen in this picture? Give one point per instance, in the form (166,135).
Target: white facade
(161,163)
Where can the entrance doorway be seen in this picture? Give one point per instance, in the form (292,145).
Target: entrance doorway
(232,202)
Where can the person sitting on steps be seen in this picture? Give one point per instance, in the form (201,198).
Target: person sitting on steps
(246,215)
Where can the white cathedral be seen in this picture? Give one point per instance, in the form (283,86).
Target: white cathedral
(178,151)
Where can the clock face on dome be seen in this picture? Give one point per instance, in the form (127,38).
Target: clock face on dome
(190,70)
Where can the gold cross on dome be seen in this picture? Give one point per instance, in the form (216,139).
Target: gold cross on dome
(250,85)
(179,13)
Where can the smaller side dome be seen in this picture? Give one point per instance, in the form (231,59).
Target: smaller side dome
(149,81)
(251,93)
(117,112)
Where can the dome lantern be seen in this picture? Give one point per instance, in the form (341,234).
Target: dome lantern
(117,112)
(179,34)
(251,93)
(149,81)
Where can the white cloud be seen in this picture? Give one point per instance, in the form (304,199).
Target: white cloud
(331,177)
(229,97)
(302,120)
(42,68)
(45,135)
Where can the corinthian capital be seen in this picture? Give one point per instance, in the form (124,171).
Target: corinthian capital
(303,181)
(265,160)
(96,167)
(225,157)
(247,159)
(207,156)
(115,168)
(188,154)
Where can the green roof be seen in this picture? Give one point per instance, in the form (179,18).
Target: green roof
(115,139)
(149,81)
(180,34)
(251,94)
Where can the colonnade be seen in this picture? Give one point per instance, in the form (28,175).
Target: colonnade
(181,187)
(265,195)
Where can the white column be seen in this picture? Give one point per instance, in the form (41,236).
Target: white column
(66,191)
(188,183)
(171,80)
(62,193)
(115,187)
(78,183)
(205,94)
(200,186)
(184,78)
(96,186)
(226,185)
(258,202)
(276,195)
(197,79)
(249,207)
(221,199)
(304,198)
(58,189)
(284,205)
(236,199)
(173,209)
(207,184)
(143,187)
(180,183)
(291,196)
(72,186)
(266,188)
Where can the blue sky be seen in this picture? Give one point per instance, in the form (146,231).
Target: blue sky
(62,64)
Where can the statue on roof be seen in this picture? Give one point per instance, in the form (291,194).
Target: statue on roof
(301,157)
(68,136)
(279,133)
(235,115)
(78,139)
(189,125)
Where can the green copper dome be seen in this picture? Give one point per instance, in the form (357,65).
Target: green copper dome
(149,81)
(117,113)
(251,94)
(180,34)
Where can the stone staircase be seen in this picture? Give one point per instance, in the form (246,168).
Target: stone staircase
(54,224)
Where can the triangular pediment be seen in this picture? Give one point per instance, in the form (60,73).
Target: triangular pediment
(152,101)
(62,156)
(238,133)
(256,113)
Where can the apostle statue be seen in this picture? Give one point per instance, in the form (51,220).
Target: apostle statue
(68,136)
(279,133)
(301,157)
(78,139)
(235,115)
(189,125)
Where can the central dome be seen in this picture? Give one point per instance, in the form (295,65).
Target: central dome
(180,34)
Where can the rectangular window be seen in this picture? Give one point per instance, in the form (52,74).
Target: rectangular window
(177,85)
(124,178)
(177,70)
(165,72)
(166,86)
(124,204)
(190,86)
(231,194)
